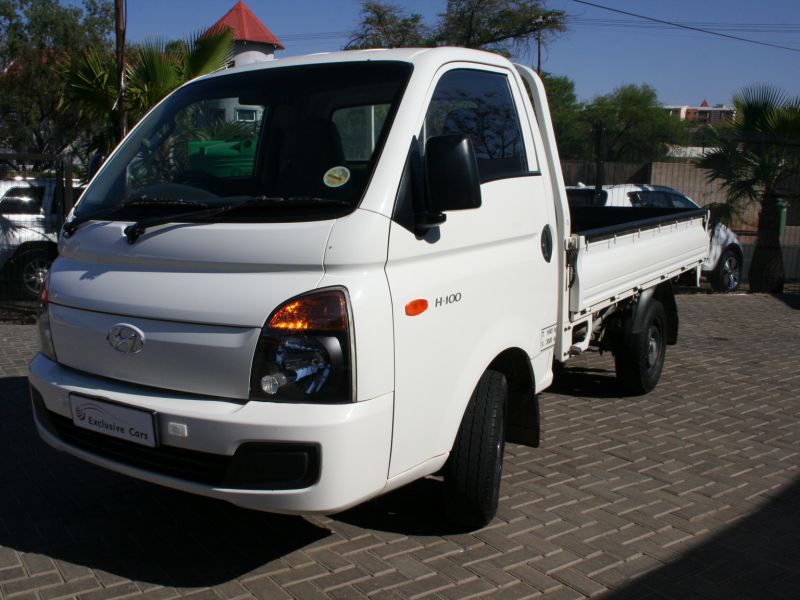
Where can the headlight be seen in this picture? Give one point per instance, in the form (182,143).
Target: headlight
(305,351)
(43,324)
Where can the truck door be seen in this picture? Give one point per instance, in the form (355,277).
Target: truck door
(484,272)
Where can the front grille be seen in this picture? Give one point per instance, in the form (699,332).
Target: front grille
(254,465)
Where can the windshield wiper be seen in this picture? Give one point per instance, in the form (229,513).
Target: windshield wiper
(72,226)
(134,231)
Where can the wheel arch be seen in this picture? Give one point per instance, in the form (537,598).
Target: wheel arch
(737,249)
(664,293)
(50,247)
(522,408)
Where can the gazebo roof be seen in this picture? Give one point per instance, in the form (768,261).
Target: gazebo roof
(246,27)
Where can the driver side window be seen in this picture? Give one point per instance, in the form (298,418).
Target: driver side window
(479,104)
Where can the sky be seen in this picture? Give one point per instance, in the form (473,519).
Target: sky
(600,51)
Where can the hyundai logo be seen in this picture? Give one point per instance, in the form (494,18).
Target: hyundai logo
(126,338)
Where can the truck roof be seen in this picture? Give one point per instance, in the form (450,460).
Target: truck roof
(416,56)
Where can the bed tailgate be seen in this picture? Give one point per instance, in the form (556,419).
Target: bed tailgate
(615,262)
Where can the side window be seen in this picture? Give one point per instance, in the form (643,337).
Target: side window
(360,127)
(22,201)
(646,198)
(680,201)
(479,104)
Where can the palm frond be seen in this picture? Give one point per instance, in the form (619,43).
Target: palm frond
(206,53)
(152,74)
(90,85)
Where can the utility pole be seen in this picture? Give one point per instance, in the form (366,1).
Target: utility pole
(121,105)
(539,52)
(599,149)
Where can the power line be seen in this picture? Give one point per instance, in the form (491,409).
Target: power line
(790,28)
(689,27)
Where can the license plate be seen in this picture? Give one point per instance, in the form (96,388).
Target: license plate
(130,424)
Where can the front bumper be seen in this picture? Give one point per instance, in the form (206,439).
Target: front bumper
(277,457)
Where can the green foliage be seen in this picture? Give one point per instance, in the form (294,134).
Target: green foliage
(637,128)
(154,68)
(573,135)
(36,36)
(496,25)
(759,149)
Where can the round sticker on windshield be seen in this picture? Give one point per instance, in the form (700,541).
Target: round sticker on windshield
(336,177)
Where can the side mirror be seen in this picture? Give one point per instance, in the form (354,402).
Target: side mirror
(451,175)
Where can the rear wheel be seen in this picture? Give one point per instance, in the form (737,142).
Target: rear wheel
(472,472)
(727,275)
(639,358)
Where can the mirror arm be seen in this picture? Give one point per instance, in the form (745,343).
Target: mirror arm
(423,221)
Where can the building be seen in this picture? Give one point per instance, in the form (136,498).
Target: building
(252,41)
(703,114)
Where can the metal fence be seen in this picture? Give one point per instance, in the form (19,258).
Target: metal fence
(36,191)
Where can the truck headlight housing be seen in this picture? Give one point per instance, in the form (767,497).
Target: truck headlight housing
(305,353)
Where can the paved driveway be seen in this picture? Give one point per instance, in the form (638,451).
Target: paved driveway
(691,491)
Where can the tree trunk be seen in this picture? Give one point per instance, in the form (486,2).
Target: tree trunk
(766,272)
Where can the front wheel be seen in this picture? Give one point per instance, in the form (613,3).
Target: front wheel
(472,472)
(639,358)
(727,275)
(32,268)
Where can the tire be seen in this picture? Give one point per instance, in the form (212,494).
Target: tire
(726,277)
(31,270)
(472,472)
(639,358)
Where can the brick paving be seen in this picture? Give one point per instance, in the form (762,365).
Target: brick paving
(692,491)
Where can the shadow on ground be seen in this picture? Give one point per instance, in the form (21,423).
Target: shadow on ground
(790,300)
(756,558)
(61,507)
(416,509)
(586,383)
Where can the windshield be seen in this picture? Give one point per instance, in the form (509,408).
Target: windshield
(294,143)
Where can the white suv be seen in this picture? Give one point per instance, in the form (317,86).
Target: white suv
(722,268)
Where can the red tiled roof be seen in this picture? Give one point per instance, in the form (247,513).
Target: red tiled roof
(246,26)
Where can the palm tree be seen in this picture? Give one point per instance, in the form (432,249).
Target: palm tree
(155,68)
(752,158)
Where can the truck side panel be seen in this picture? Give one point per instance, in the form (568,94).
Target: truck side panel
(611,268)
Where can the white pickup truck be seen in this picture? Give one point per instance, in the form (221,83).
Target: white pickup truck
(300,284)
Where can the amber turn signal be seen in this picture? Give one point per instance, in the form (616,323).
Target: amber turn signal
(321,311)
(416,307)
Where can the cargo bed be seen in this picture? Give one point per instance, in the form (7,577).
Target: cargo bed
(619,251)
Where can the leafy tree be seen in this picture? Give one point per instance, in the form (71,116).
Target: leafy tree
(35,37)
(387,26)
(637,128)
(496,25)
(752,158)
(573,135)
(154,69)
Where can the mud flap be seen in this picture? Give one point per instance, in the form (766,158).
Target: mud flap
(524,419)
